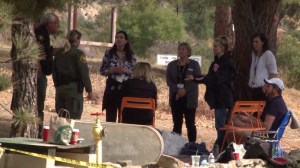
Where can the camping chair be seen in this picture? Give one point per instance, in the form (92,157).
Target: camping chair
(252,108)
(272,137)
(137,103)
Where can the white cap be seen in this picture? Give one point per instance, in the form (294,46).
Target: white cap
(276,81)
(75,130)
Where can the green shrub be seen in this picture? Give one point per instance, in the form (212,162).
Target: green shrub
(288,60)
(23,118)
(148,21)
(5,82)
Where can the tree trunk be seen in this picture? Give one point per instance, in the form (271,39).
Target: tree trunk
(250,17)
(223,22)
(24,79)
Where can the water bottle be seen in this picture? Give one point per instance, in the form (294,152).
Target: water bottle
(211,158)
(277,151)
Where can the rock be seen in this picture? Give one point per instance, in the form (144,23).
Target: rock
(260,162)
(173,143)
(169,162)
(239,163)
(151,165)
(112,164)
(124,163)
(247,163)
(231,164)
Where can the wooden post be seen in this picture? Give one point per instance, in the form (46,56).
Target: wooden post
(113,24)
(70,18)
(75,16)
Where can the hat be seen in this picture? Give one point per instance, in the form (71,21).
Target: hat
(278,82)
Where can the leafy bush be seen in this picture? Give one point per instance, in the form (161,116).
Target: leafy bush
(98,29)
(199,18)
(288,60)
(5,82)
(147,21)
(154,26)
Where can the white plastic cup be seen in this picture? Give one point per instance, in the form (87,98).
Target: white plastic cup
(195,160)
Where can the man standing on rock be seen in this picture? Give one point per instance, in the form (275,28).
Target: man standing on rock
(49,24)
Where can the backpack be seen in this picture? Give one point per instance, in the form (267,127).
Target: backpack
(193,148)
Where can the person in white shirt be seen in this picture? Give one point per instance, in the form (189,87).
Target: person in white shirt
(263,66)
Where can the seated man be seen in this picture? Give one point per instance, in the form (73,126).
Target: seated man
(274,110)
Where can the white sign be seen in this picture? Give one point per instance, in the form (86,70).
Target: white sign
(165,59)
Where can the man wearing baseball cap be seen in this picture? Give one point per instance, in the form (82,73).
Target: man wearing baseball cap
(275,108)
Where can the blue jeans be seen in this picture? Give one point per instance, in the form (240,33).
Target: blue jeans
(220,121)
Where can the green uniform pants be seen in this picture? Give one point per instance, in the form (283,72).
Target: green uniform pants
(41,95)
(68,97)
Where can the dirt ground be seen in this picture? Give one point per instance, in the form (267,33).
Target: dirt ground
(204,118)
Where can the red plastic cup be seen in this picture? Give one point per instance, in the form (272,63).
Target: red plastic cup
(45,133)
(74,137)
(236,155)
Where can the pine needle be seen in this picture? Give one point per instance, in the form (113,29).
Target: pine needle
(28,49)
(24,118)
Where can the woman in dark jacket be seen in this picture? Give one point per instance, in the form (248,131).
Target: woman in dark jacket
(141,85)
(183,94)
(219,82)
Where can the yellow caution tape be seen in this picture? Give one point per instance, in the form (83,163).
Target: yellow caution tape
(60,159)
(1,151)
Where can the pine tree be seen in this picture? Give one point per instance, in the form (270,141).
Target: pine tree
(25,55)
(250,17)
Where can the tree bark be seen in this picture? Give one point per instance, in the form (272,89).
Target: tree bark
(250,17)
(223,23)
(24,79)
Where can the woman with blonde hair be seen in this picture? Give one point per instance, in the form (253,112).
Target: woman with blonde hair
(140,85)
(219,82)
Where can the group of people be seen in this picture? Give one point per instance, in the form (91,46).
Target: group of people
(127,77)
(69,70)
(184,74)
(70,73)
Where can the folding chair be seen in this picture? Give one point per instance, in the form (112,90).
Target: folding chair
(137,103)
(252,108)
(272,137)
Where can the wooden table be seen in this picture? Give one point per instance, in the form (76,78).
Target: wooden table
(38,146)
